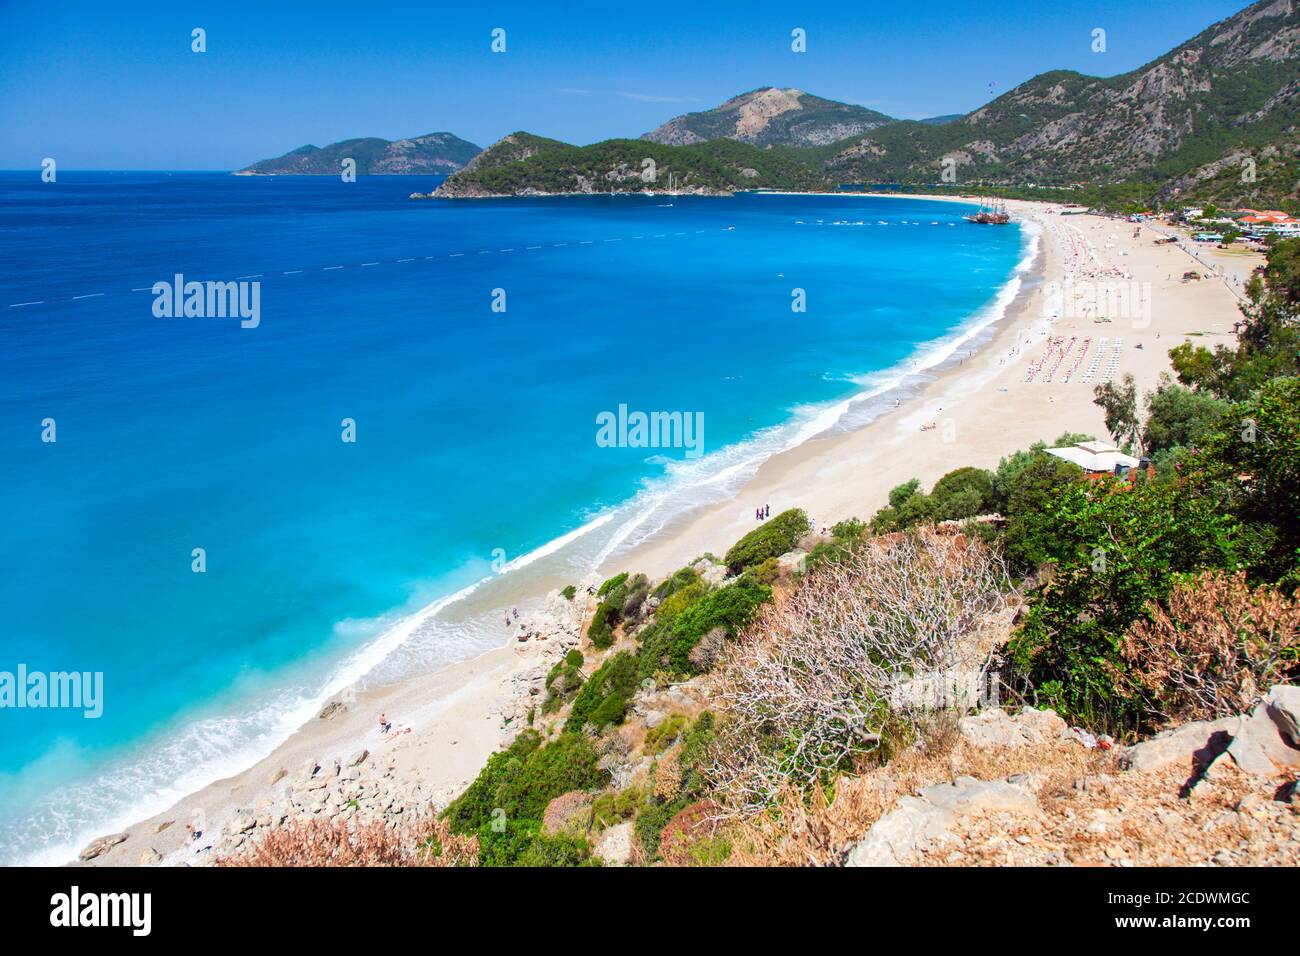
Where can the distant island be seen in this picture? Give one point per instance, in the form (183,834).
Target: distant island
(1214,120)
(431,154)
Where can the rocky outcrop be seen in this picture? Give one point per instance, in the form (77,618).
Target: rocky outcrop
(771,116)
(996,728)
(927,820)
(101,845)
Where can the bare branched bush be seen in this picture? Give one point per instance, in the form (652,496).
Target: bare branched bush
(1215,651)
(813,687)
(426,841)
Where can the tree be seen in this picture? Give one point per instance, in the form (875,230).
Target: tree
(962,493)
(1032,538)
(1251,465)
(1119,402)
(1118,547)
(1178,416)
(1268,339)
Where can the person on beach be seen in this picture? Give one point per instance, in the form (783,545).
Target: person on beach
(385,725)
(767,511)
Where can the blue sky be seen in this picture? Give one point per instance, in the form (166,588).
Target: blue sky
(115,85)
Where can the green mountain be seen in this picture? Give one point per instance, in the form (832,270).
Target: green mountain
(548,167)
(771,117)
(434,153)
(1215,119)
(1235,86)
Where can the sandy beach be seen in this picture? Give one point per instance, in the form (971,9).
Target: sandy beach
(1029,377)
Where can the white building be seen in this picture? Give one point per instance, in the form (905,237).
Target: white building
(1097,457)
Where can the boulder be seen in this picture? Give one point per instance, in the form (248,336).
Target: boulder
(710,572)
(996,728)
(358,758)
(332,710)
(1259,746)
(792,561)
(927,819)
(968,795)
(101,845)
(1196,745)
(615,845)
(900,832)
(1284,708)
(150,857)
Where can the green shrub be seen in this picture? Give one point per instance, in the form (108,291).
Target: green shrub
(1117,548)
(667,644)
(504,804)
(770,540)
(908,506)
(660,737)
(611,584)
(615,806)
(562,682)
(673,605)
(1033,532)
(600,631)
(963,493)
(652,819)
(569,592)
(607,694)
(849,529)
(765,573)
(681,578)
(521,842)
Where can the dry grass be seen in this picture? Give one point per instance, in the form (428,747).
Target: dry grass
(425,841)
(819,831)
(1216,650)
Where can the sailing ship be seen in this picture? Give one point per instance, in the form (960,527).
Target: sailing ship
(992,213)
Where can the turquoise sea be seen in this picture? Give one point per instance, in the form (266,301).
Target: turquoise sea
(475,455)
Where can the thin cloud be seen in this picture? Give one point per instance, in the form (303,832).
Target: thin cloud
(639,97)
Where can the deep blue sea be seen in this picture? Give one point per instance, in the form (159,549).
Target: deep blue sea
(475,429)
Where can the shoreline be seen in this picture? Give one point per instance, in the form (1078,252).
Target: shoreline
(461,713)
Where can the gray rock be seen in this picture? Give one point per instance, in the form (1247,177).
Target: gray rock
(927,818)
(332,710)
(1195,745)
(1259,748)
(150,857)
(899,833)
(615,845)
(358,758)
(792,561)
(1284,708)
(101,845)
(996,728)
(968,795)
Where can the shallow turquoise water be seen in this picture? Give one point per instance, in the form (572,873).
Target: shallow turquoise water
(475,428)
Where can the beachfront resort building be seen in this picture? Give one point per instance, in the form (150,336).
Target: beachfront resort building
(1098,458)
